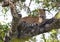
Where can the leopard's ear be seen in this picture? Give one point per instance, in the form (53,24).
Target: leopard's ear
(5,3)
(42,13)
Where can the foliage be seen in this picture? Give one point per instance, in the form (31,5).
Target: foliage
(1,0)
(20,39)
(22,0)
(3,30)
(49,3)
(4,10)
(34,40)
(57,15)
(34,13)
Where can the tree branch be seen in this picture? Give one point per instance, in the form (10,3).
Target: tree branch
(35,29)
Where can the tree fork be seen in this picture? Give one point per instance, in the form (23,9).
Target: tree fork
(14,14)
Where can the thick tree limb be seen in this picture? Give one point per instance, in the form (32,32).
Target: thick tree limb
(35,29)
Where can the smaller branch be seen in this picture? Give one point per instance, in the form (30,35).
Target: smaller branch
(29,6)
(30,2)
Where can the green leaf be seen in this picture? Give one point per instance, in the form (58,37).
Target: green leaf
(1,0)
(22,0)
(37,1)
(53,31)
(4,10)
(57,16)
